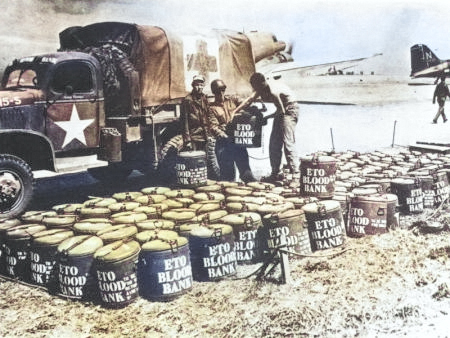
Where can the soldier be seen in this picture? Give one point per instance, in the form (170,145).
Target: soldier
(193,117)
(221,113)
(284,124)
(441,92)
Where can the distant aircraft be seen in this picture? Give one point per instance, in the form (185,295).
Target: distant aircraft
(282,62)
(424,63)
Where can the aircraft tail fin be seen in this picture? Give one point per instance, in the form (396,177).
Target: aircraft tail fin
(422,58)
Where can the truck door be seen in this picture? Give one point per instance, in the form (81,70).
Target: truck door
(72,121)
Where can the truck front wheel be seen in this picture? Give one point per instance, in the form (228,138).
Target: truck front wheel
(16,186)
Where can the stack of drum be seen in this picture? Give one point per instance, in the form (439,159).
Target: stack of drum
(156,242)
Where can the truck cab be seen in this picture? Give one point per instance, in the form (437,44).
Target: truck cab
(51,106)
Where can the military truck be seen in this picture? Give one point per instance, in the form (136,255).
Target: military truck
(113,91)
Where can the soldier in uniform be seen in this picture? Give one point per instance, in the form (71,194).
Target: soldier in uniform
(285,120)
(221,113)
(193,118)
(441,92)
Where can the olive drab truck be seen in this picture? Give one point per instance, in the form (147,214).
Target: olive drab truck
(112,91)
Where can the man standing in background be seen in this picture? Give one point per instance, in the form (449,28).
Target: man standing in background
(441,92)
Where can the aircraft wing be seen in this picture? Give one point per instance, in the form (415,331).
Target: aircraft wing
(331,68)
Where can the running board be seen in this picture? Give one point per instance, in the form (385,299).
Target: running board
(66,165)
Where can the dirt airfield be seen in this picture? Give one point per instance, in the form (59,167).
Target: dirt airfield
(389,285)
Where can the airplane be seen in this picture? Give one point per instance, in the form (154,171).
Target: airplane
(424,63)
(282,62)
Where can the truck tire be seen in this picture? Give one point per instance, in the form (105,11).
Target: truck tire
(16,186)
(211,159)
(112,173)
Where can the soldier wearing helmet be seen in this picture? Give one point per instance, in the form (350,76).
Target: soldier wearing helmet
(220,114)
(285,120)
(193,116)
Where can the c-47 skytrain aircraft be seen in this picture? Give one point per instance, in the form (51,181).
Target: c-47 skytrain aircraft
(424,63)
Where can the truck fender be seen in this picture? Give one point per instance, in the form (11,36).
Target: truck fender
(31,146)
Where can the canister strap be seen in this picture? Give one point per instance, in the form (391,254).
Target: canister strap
(65,252)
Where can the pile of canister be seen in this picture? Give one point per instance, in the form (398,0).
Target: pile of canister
(155,242)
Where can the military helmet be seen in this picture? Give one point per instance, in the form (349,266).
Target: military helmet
(217,85)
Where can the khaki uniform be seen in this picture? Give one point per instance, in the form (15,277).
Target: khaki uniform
(228,153)
(285,121)
(194,120)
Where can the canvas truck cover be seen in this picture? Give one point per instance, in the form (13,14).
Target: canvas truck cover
(167,61)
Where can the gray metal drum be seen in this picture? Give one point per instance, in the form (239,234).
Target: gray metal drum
(247,236)
(191,169)
(116,266)
(293,226)
(325,224)
(317,176)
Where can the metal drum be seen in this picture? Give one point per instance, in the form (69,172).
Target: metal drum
(77,277)
(247,236)
(440,187)
(213,255)
(17,250)
(325,224)
(43,253)
(164,266)
(317,176)
(191,169)
(409,194)
(291,224)
(367,216)
(116,266)
(393,217)
(246,129)
(427,185)
(5,225)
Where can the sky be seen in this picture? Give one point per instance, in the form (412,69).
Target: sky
(320,31)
